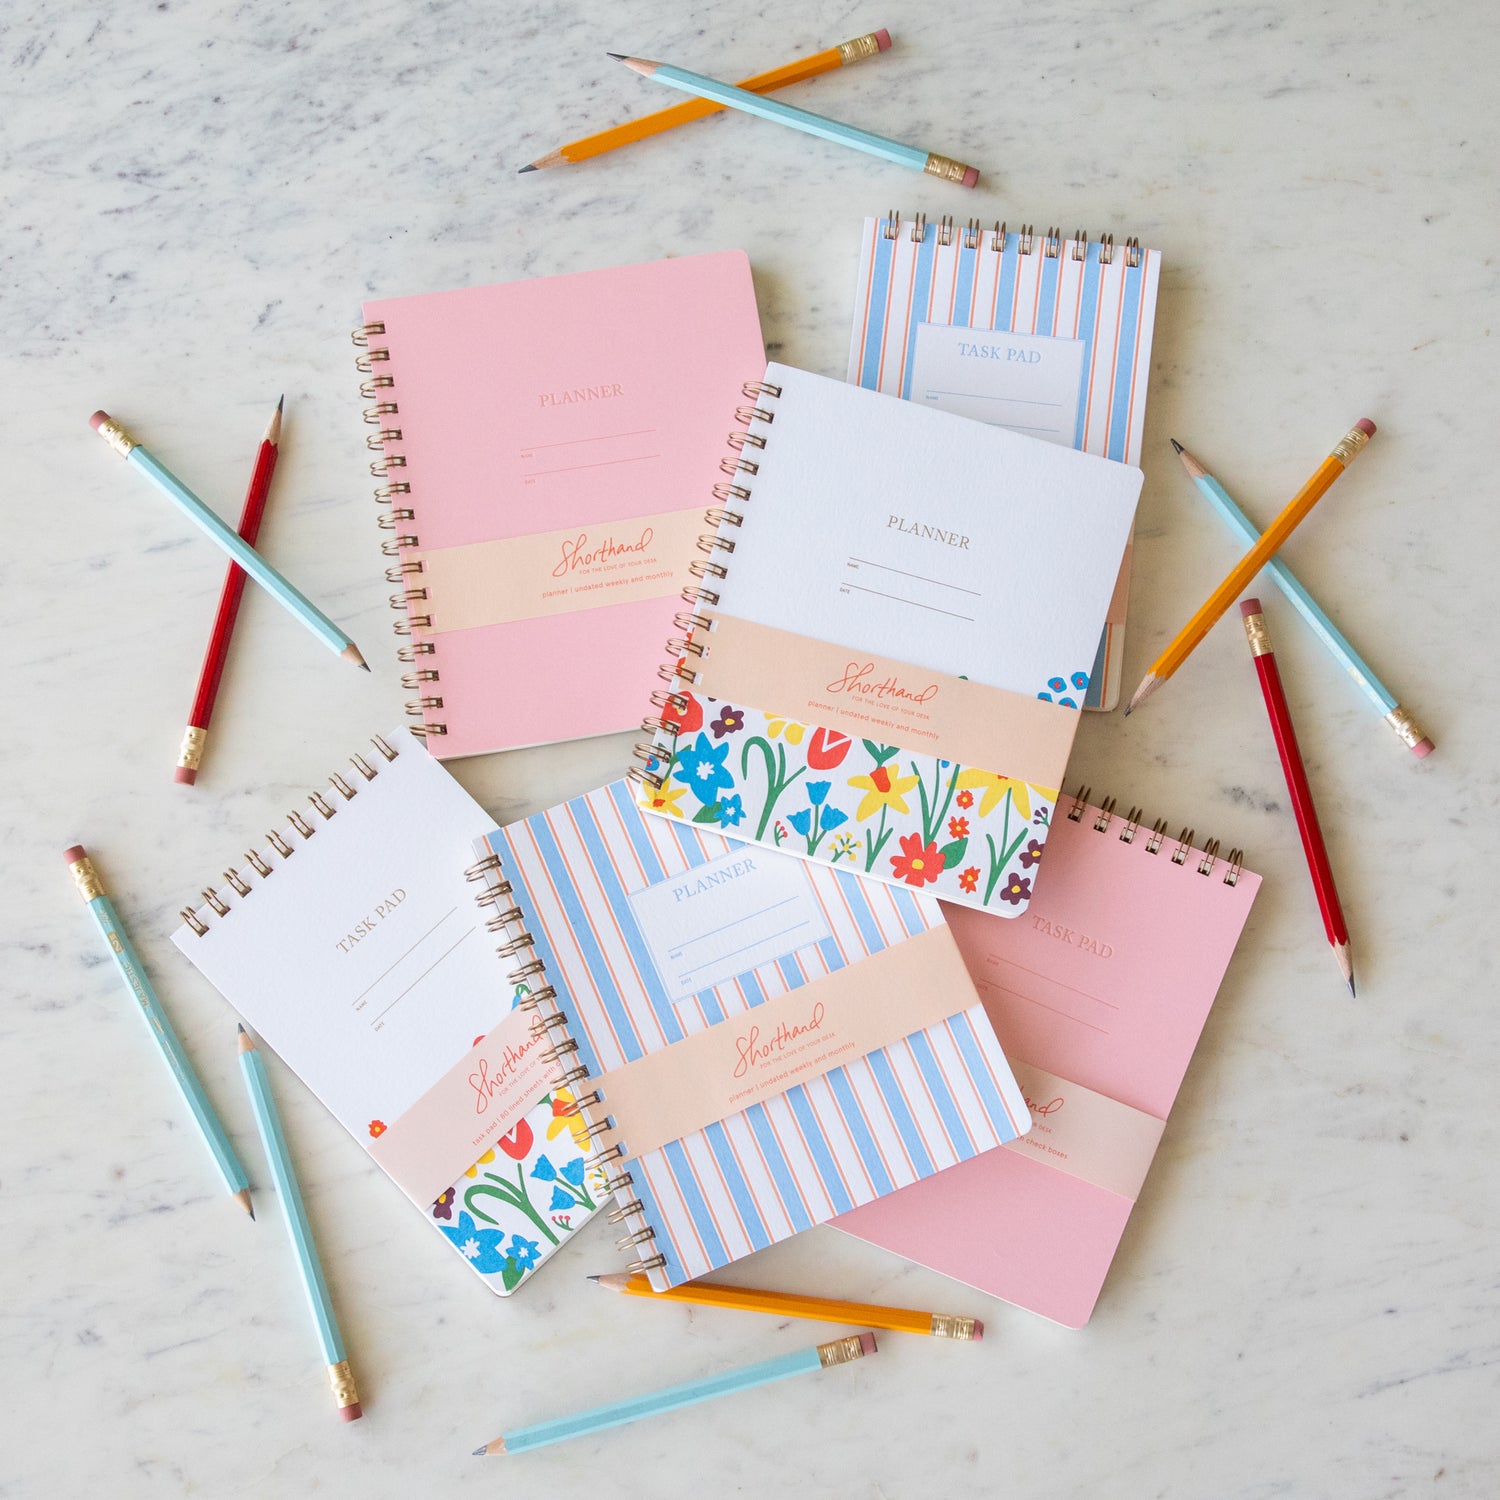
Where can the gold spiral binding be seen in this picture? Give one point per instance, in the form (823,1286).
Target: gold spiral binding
(653,754)
(391,495)
(973,236)
(1208,857)
(214,903)
(624,1211)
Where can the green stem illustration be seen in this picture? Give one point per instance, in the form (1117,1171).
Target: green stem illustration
(777,781)
(515,1195)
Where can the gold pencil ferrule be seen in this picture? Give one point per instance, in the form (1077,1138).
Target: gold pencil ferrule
(190,756)
(1346,450)
(341,1378)
(1257,634)
(841,1351)
(1410,733)
(117,437)
(86,877)
(858,49)
(946,168)
(951,1326)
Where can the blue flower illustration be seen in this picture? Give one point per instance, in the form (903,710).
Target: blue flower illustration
(525,1253)
(701,767)
(543,1170)
(732,811)
(1081,680)
(817,791)
(481,1247)
(801,821)
(832,817)
(561,1198)
(572,1171)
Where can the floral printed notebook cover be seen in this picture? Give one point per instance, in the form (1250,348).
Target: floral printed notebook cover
(350,941)
(892,632)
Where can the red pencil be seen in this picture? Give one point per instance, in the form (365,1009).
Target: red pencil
(1296,785)
(195,736)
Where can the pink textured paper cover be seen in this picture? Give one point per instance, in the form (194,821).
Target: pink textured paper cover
(486,459)
(1122,1023)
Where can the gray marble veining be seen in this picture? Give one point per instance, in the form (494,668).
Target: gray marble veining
(197,195)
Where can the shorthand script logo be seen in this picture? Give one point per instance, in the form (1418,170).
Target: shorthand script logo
(754,1051)
(578,553)
(489,1078)
(859,678)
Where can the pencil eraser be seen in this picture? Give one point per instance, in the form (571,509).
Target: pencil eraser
(73,855)
(883,39)
(971,176)
(351,1413)
(867,1343)
(98,420)
(1423,748)
(978,1331)
(1250,607)
(1366,426)
(185,774)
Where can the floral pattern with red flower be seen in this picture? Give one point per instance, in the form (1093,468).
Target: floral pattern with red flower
(958,828)
(377,1127)
(965,799)
(968,880)
(917,864)
(518,1142)
(827,749)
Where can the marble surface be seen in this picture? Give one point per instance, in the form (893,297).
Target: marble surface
(196,197)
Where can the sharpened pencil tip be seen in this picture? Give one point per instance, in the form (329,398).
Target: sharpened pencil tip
(280,401)
(1351,984)
(364,666)
(243,1199)
(240,1026)
(618,56)
(1175,444)
(479,1453)
(593,1278)
(529,167)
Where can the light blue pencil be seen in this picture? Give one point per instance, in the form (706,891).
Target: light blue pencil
(802,119)
(279,1159)
(803,1362)
(1410,733)
(138,982)
(280,589)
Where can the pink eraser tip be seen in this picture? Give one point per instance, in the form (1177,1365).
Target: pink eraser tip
(351,1413)
(867,1343)
(1250,607)
(1422,749)
(971,176)
(1366,426)
(185,775)
(73,855)
(883,39)
(98,420)
(978,1331)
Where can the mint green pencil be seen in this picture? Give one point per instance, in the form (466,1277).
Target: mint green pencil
(633,1408)
(279,1159)
(1410,733)
(280,589)
(133,972)
(803,119)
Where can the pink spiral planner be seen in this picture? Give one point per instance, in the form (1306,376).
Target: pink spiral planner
(1098,994)
(543,451)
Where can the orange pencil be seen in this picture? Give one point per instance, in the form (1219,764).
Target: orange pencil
(861,47)
(1344,453)
(791,1305)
